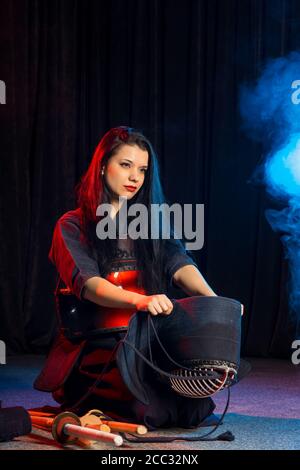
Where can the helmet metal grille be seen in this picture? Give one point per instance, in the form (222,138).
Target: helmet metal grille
(203,380)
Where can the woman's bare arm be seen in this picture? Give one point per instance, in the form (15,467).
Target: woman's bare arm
(104,293)
(191,281)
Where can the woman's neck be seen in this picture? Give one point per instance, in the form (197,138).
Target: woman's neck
(115,207)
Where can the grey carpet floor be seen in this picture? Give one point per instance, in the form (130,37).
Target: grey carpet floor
(264,412)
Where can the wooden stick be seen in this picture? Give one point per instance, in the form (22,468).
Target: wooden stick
(100,427)
(126,427)
(66,426)
(93,415)
(92,434)
(40,413)
(107,424)
(44,421)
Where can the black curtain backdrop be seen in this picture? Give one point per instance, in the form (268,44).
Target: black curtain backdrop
(172,68)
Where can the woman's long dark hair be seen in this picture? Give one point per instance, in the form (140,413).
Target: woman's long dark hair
(92,191)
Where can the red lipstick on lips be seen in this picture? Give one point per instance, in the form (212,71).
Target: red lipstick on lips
(130,188)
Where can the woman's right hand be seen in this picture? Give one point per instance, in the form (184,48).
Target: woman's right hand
(155,304)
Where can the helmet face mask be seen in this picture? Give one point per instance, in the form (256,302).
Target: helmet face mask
(204,380)
(194,351)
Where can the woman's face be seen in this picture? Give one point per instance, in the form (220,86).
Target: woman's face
(125,171)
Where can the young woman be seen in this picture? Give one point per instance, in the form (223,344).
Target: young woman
(121,275)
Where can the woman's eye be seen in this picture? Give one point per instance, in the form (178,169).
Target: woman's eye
(125,164)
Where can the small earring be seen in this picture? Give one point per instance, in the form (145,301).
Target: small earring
(102,173)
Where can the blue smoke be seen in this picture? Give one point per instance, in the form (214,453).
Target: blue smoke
(270,109)
(282,171)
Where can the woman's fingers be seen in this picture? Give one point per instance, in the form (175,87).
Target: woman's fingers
(157,306)
(161,305)
(151,309)
(164,306)
(168,305)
